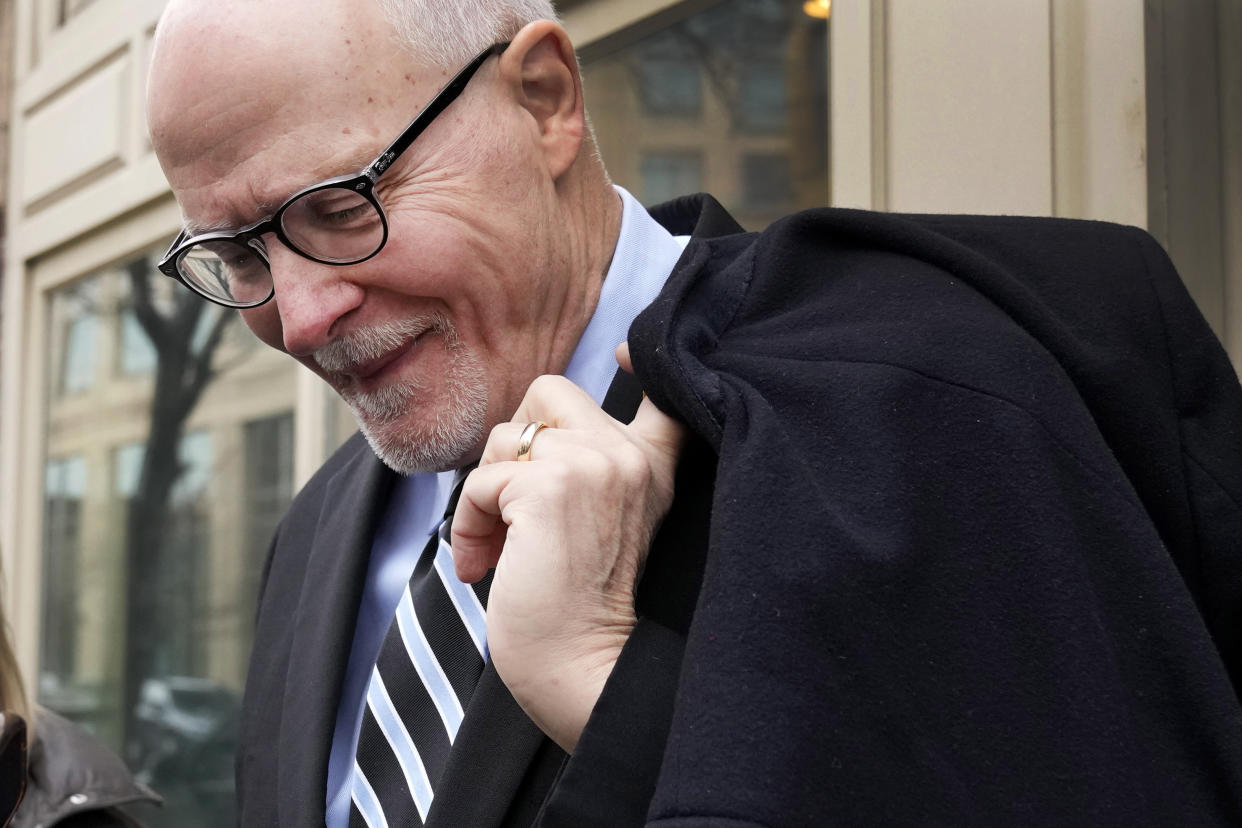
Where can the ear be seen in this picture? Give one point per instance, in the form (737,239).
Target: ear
(541,70)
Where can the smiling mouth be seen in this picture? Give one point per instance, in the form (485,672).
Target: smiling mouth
(371,368)
(364,354)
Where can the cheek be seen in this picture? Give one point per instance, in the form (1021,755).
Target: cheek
(264,322)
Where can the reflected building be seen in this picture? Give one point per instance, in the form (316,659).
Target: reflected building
(731,100)
(168,462)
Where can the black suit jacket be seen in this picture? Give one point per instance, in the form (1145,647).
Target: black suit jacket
(956,541)
(309,596)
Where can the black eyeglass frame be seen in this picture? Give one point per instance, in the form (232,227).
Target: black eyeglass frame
(362,183)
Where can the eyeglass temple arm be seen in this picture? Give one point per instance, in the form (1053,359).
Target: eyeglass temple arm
(438,104)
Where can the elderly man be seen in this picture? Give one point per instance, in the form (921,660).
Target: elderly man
(949,545)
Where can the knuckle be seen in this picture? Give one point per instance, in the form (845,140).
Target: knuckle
(497,442)
(545,384)
(631,465)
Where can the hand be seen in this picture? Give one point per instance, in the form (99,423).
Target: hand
(567,533)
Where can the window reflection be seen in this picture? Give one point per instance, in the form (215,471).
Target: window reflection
(137,353)
(667,175)
(766,182)
(79,328)
(64,491)
(732,100)
(165,474)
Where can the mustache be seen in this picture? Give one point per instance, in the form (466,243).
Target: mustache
(360,346)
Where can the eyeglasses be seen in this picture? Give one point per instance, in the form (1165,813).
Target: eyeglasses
(335,222)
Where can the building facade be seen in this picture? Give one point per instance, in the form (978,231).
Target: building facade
(148,444)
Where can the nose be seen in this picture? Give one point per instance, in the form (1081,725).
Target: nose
(310,298)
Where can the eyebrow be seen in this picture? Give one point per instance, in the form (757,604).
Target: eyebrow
(194,228)
(267,207)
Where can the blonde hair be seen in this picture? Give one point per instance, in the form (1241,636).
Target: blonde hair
(12,691)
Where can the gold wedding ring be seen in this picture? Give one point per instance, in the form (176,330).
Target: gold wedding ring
(527,438)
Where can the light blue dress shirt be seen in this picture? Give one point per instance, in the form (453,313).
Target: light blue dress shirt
(644,257)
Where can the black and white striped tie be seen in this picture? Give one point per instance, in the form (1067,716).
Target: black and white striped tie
(427,669)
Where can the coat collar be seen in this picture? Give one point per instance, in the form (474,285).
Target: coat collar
(699,216)
(70,772)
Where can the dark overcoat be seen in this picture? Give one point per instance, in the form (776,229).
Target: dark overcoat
(957,541)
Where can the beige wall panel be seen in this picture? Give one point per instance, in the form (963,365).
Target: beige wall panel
(856,104)
(104,243)
(85,41)
(20,506)
(969,106)
(1231,157)
(84,209)
(81,131)
(1100,110)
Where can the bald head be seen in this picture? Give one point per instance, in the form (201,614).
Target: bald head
(227,78)
(500,219)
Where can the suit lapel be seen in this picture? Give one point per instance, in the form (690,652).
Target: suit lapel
(491,756)
(499,752)
(323,631)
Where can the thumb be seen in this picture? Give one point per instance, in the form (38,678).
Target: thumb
(623,358)
(657,429)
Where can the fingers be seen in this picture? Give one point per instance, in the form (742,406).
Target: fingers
(623,358)
(581,444)
(478,530)
(561,404)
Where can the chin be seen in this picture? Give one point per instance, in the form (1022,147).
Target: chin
(408,438)
(413,451)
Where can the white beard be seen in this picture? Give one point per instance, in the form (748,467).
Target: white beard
(404,448)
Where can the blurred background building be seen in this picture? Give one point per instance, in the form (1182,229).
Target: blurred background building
(148,444)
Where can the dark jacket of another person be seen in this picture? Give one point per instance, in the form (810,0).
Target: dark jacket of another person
(76,782)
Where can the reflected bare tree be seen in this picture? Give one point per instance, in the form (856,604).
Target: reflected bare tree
(184,366)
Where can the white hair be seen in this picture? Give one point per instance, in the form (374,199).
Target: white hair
(446,34)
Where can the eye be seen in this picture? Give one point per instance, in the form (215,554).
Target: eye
(244,266)
(331,210)
(345,215)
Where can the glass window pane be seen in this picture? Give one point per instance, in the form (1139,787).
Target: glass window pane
(731,100)
(165,475)
(766,181)
(137,353)
(78,334)
(667,175)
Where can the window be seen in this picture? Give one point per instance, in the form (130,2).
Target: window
(667,175)
(163,470)
(64,491)
(138,355)
(741,85)
(79,326)
(667,76)
(268,482)
(762,97)
(766,182)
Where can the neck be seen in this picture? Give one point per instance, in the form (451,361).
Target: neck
(591,218)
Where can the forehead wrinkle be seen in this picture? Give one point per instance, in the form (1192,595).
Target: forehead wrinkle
(266,203)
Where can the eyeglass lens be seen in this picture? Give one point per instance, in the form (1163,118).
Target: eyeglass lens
(227,270)
(334,224)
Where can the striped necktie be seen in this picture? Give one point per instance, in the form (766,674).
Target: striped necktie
(427,669)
